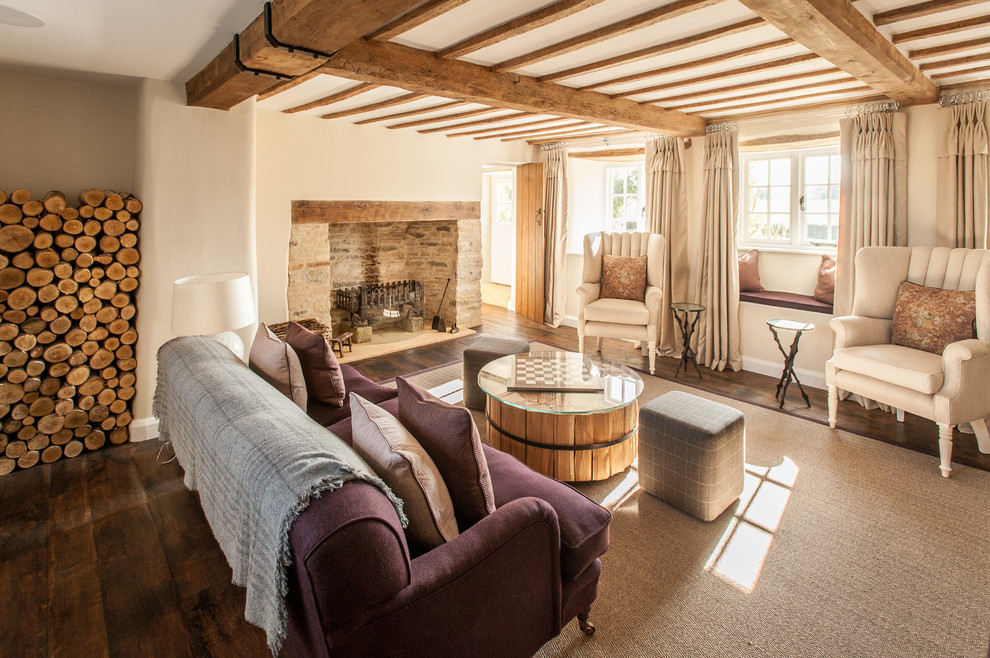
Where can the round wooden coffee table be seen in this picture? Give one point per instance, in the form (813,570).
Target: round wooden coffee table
(567,435)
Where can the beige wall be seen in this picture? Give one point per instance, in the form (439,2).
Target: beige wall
(195,174)
(66,134)
(303,157)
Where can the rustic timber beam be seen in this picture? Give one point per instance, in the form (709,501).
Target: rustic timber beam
(956,61)
(841,34)
(317,25)
(610,155)
(366,212)
(939,30)
(412,19)
(351,92)
(754,84)
(945,49)
(412,113)
(477,122)
(419,71)
(604,135)
(919,10)
(822,87)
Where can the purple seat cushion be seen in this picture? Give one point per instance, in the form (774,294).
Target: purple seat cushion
(354,382)
(583,523)
(450,437)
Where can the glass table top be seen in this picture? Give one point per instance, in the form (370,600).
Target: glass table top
(687,306)
(620,385)
(792,325)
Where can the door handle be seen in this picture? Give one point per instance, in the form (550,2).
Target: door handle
(539,217)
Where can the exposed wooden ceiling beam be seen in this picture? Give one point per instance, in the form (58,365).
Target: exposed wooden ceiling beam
(947,48)
(841,34)
(497,129)
(646,19)
(783,140)
(286,85)
(316,24)
(720,75)
(790,99)
(380,105)
(565,131)
(610,155)
(659,49)
(517,26)
(955,61)
(445,118)
(414,18)
(938,30)
(955,74)
(697,106)
(412,113)
(350,92)
(546,130)
(810,107)
(972,85)
(919,10)
(389,63)
(684,66)
(751,85)
(477,122)
(604,134)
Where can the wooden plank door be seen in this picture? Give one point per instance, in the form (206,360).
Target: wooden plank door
(529,241)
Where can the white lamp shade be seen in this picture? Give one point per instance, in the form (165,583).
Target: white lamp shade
(207,304)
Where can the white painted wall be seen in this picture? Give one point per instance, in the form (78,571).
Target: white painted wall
(303,157)
(67,135)
(196,177)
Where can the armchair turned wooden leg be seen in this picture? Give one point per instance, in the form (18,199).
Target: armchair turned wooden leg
(982,435)
(653,355)
(833,405)
(586,626)
(900,415)
(945,448)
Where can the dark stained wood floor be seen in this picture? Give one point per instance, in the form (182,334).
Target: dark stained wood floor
(109,554)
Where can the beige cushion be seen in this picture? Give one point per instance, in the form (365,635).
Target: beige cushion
(395,455)
(905,366)
(620,311)
(277,363)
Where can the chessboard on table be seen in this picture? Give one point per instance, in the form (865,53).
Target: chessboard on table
(554,372)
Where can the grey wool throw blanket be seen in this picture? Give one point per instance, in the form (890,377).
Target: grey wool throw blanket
(256,460)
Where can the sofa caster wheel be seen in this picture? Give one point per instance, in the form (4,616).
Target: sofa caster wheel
(586,626)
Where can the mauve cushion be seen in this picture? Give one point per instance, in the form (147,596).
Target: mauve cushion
(449,435)
(584,523)
(931,319)
(623,277)
(825,287)
(354,382)
(277,363)
(749,272)
(395,455)
(324,380)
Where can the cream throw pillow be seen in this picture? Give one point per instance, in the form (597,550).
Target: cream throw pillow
(395,455)
(277,363)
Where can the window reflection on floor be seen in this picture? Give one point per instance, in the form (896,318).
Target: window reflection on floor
(741,552)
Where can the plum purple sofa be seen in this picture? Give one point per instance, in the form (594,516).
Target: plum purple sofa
(503,587)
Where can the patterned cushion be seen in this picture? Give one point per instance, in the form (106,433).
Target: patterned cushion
(623,277)
(825,288)
(930,319)
(277,363)
(324,380)
(449,435)
(395,455)
(749,272)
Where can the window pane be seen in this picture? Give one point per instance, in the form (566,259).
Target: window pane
(618,202)
(833,202)
(835,168)
(816,170)
(758,199)
(504,214)
(503,192)
(631,209)
(817,227)
(759,172)
(632,181)
(816,198)
(780,172)
(758,226)
(780,227)
(618,181)
(835,228)
(780,199)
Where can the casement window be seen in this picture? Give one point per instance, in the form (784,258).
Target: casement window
(790,200)
(624,199)
(503,198)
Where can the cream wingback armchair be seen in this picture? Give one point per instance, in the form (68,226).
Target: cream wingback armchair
(950,388)
(637,320)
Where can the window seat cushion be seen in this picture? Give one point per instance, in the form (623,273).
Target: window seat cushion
(786,300)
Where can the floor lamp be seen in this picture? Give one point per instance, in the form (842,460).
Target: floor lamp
(215,305)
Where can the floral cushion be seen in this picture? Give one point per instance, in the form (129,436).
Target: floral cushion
(932,318)
(623,277)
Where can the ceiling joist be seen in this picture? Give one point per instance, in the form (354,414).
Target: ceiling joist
(919,10)
(445,118)
(380,105)
(751,85)
(411,113)
(822,87)
(838,32)
(350,92)
(478,122)
(412,19)
(945,49)
(939,30)
(603,134)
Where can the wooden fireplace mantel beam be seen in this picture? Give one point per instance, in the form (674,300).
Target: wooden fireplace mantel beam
(350,212)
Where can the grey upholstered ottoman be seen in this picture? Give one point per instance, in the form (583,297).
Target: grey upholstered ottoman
(481,352)
(691,453)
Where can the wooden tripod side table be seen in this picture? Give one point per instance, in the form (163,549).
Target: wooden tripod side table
(789,375)
(682,315)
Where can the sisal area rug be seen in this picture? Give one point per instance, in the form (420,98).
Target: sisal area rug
(840,546)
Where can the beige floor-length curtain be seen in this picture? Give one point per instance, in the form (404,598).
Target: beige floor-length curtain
(963,186)
(555,234)
(718,285)
(872,190)
(667,214)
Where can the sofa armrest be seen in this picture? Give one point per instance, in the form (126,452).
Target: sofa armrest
(853,330)
(493,590)
(966,370)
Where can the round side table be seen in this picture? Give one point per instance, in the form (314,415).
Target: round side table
(789,375)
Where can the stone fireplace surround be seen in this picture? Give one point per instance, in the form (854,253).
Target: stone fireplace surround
(336,245)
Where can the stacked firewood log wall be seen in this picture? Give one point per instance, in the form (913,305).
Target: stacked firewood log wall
(68,277)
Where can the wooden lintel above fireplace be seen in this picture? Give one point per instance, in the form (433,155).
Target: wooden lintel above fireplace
(347,212)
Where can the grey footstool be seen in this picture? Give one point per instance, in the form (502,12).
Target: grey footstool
(481,352)
(692,452)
